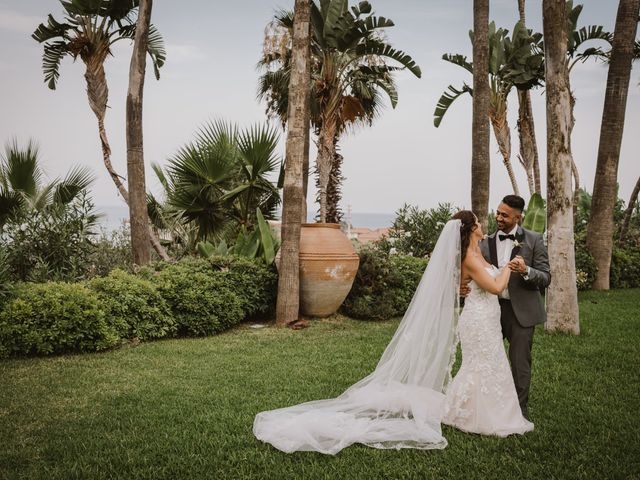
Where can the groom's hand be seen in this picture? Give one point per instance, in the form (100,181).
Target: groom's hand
(517,265)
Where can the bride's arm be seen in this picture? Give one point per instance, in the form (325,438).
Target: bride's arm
(479,274)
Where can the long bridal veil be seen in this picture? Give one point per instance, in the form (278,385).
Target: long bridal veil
(399,405)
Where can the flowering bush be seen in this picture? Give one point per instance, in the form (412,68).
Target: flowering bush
(415,232)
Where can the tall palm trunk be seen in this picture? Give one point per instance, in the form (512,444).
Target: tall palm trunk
(480,160)
(527,130)
(324,161)
(502,132)
(629,212)
(574,167)
(138,216)
(288,302)
(334,193)
(600,228)
(528,144)
(562,298)
(98,93)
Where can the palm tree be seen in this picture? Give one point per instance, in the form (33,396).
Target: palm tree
(480,156)
(298,120)
(139,220)
(512,62)
(218,181)
(22,184)
(526,128)
(628,213)
(577,37)
(600,230)
(88,31)
(562,298)
(349,76)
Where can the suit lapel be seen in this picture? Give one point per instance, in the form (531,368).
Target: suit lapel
(493,250)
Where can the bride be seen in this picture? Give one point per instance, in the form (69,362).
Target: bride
(404,401)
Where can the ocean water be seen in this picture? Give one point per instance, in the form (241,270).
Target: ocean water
(114,215)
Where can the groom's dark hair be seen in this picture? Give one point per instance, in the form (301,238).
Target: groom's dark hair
(514,201)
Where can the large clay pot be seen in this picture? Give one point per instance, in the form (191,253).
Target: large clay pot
(328,266)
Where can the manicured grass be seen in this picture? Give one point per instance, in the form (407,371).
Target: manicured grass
(185,408)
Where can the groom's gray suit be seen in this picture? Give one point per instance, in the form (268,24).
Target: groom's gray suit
(525,307)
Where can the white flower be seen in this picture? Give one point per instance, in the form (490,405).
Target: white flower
(408,234)
(23,227)
(392,251)
(516,244)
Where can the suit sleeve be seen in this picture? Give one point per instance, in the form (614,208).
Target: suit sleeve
(539,274)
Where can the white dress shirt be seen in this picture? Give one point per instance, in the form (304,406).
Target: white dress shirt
(503,250)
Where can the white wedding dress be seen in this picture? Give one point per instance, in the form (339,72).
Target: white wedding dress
(482,397)
(401,404)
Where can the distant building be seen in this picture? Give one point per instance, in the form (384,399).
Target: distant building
(366,235)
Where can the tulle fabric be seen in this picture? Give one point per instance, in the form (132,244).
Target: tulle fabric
(400,404)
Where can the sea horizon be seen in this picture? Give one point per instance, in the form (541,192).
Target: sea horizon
(113,216)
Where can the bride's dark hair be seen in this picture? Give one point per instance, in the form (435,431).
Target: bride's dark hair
(468,219)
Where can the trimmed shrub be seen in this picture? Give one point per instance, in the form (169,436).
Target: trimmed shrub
(54,317)
(625,268)
(134,306)
(384,285)
(201,299)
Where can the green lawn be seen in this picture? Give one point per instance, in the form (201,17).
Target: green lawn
(185,408)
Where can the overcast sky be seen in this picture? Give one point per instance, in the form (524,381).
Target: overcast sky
(212,50)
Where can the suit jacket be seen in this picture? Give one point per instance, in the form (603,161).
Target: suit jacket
(526,300)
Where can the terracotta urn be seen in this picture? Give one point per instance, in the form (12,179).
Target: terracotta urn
(328,266)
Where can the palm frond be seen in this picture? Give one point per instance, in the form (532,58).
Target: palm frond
(460,60)
(78,179)
(385,50)
(19,167)
(447,98)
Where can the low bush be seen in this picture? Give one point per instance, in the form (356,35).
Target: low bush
(54,317)
(202,300)
(384,285)
(625,268)
(133,306)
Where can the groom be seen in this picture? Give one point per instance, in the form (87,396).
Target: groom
(521,304)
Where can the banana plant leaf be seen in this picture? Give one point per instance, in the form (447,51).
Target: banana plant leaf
(536,216)
(268,249)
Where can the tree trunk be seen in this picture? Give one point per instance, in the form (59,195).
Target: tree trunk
(562,297)
(600,228)
(527,130)
(288,302)
(480,159)
(574,167)
(628,213)
(324,162)
(502,133)
(139,219)
(334,193)
(98,93)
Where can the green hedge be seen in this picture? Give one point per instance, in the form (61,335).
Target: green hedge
(134,306)
(192,297)
(625,268)
(54,317)
(384,285)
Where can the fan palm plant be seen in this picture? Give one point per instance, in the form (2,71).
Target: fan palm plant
(215,183)
(23,186)
(89,30)
(350,77)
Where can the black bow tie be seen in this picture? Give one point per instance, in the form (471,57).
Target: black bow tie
(504,237)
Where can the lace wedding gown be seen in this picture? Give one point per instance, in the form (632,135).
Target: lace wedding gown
(482,397)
